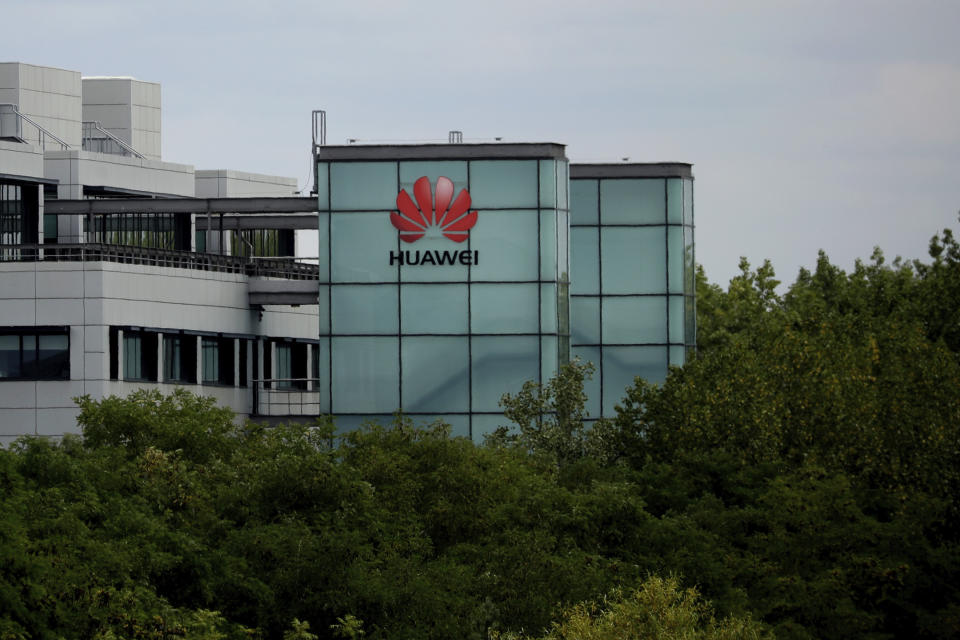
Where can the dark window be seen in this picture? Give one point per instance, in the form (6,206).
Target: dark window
(179,358)
(291,365)
(35,354)
(217,361)
(140,355)
(244,346)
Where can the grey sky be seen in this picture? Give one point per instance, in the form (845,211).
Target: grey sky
(811,125)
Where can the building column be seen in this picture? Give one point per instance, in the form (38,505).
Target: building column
(160,368)
(199,347)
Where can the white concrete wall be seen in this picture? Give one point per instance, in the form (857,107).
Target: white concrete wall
(92,296)
(74,169)
(20,160)
(128,108)
(77,168)
(226,183)
(49,96)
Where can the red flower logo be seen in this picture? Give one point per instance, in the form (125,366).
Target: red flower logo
(417,220)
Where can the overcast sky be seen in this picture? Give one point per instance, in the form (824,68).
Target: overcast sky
(832,125)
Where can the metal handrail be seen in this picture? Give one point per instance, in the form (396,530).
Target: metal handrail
(43,132)
(129,254)
(95,124)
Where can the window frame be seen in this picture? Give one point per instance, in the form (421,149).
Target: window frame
(34,369)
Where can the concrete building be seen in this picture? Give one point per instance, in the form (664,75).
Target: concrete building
(105,304)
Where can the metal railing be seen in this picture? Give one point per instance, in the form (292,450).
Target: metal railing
(11,127)
(99,140)
(286,397)
(285,268)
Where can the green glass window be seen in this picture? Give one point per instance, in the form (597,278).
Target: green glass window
(370,309)
(506,241)
(503,183)
(675,201)
(634,320)
(585,260)
(500,365)
(504,308)
(622,364)
(433,308)
(548,183)
(363,185)
(365,375)
(585,320)
(361,253)
(435,373)
(633,201)
(413,170)
(633,260)
(583,202)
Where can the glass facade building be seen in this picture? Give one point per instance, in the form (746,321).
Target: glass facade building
(632,305)
(437,309)
(429,307)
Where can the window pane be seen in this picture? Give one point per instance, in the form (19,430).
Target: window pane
(634,260)
(504,308)
(323,182)
(677,356)
(365,375)
(503,183)
(563,180)
(434,308)
(585,320)
(548,183)
(622,364)
(549,242)
(549,357)
(676,319)
(417,267)
(592,386)
(363,185)
(132,369)
(411,171)
(435,374)
(54,356)
(583,202)
(28,356)
(675,200)
(363,246)
(635,320)
(507,243)
(365,309)
(484,425)
(211,360)
(627,201)
(501,365)
(584,260)
(688,202)
(675,253)
(548,308)
(9,356)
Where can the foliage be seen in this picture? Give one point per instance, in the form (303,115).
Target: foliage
(550,419)
(658,610)
(801,472)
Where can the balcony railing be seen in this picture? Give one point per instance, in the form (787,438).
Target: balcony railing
(286,268)
(286,397)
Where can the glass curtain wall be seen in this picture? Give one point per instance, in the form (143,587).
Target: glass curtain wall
(632,300)
(435,327)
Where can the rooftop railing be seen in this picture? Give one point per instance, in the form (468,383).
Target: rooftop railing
(279,267)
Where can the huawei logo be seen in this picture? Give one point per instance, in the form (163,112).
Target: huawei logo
(431,218)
